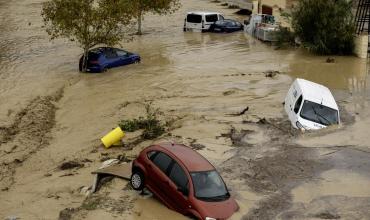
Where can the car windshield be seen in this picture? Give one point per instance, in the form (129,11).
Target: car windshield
(209,186)
(319,113)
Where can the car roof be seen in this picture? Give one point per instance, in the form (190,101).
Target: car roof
(203,12)
(102,49)
(227,20)
(316,93)
(192,160)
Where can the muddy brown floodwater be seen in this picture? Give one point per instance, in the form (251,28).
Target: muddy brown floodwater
(51,114)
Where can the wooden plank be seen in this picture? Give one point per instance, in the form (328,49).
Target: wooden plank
(118,170)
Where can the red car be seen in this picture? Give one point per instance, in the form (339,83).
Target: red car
(184,181)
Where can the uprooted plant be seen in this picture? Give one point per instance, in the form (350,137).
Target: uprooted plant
(151,125)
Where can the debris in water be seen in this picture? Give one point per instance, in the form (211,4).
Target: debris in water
(271,73)
(240,113)
(330,60)
(244,12)
(12,218)
(66,214)
(70,165)
(327,215)
(233,7)
(196,146)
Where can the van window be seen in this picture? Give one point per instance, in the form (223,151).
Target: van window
(298,104)
(192,18)
(212,18)
(319,113)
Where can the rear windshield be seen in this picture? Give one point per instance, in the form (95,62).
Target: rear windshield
(194,18)
(93,56)
(211,18)
(319,113)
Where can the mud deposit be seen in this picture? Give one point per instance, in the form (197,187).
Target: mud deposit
(27,134)
(221,94)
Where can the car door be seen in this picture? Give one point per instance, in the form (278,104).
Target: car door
(235,26)
(157,175)
(124,57)
(178,188)
(112,58)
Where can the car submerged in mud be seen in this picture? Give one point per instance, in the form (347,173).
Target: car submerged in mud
(103,58)
(311,106)
(226,26)
(184,181)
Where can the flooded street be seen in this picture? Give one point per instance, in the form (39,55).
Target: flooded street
(50,113)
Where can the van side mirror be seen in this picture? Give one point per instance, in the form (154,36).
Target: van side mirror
(183,190)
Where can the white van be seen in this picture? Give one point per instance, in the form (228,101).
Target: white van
(201,21)
(311,106)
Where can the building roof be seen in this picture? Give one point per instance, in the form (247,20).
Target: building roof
(316,93)
(192,160)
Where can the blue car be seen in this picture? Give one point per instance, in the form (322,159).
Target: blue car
(226,25)
(103,58)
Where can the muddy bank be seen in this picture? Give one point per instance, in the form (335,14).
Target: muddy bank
(277,168)
(29,133)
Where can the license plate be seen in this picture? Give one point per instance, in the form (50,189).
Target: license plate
(217,29)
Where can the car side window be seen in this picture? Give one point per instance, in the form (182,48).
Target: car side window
(162,161)
(298,104)
(152,154)
(121,53)
(110,54)
(178,176)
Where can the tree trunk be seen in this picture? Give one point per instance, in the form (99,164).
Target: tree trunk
(84,60)
(139,22)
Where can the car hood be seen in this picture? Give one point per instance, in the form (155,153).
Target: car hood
(218,210)
(134,55)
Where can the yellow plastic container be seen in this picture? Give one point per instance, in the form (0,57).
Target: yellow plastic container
(113,137)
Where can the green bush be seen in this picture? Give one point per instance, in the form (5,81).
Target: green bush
(152,127)
(325,27)
(285,37)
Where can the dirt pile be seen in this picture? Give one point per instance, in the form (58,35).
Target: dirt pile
(272,169)
(27,134)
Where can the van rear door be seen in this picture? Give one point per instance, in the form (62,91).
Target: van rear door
(194,21)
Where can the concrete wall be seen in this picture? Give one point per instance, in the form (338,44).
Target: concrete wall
(361,45)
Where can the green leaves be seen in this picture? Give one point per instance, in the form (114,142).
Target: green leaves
(152,127)
(88,22)
(325,27)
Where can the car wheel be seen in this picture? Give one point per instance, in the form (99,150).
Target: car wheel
(137,180)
